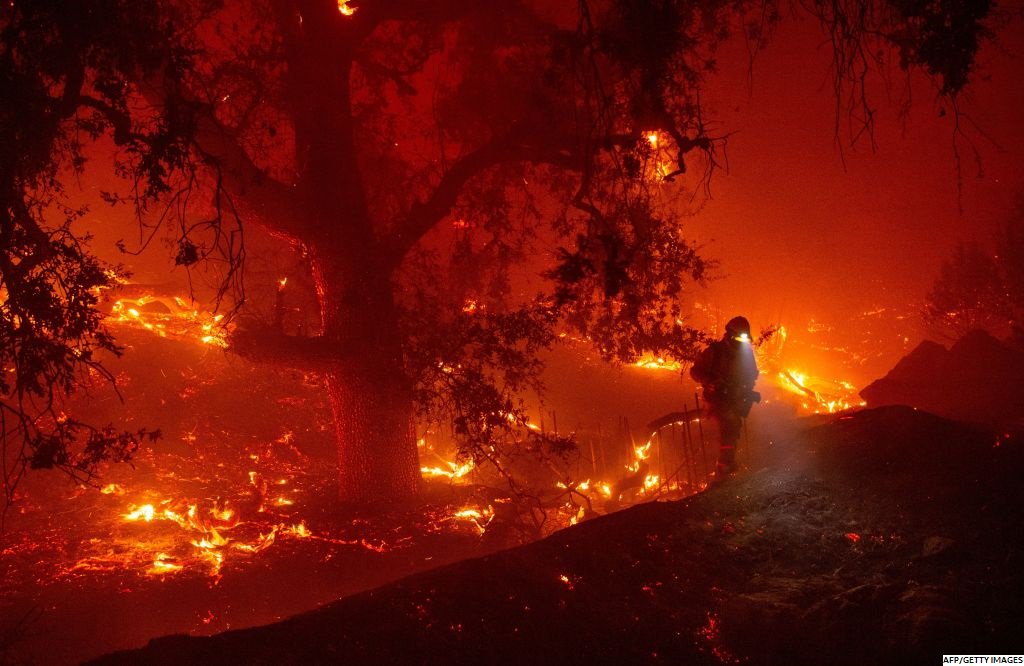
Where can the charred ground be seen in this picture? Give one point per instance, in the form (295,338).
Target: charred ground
(885,534)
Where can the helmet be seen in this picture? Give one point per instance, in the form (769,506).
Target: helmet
(738,328)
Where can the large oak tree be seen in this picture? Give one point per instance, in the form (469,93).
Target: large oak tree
(417,157)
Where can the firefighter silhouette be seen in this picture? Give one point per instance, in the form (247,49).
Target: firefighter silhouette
(726,370)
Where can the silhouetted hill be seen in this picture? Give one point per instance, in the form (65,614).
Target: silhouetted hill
(979,379)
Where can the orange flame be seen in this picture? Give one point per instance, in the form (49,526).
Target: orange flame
(800,384)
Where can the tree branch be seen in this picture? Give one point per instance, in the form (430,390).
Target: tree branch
(119,120)
(425,215)
(271,203)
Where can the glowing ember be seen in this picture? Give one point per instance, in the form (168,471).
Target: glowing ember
(208,526)
(711,632)
(163,564)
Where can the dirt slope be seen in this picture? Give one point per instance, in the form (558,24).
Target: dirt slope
(885,535)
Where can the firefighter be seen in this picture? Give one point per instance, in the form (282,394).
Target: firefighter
(726,370)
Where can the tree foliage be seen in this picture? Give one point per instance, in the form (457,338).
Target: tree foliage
(980,289)
(65,81)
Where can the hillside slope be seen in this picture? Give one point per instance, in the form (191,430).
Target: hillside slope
(884,535)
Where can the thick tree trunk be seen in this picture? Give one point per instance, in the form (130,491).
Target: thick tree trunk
(370,393)
(373,420)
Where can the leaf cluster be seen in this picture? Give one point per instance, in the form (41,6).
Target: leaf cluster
(68,77)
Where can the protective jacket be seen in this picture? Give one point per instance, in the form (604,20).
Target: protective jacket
(727,370)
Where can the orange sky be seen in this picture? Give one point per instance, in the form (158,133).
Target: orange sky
(801,236)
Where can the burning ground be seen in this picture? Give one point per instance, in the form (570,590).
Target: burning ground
(228,519)
(885,534)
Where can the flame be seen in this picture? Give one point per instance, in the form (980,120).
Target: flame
(145,512)
(651,362)
(344,9)
(817,395)
(840,398)
(640,454)
(513,419)
(262,543)
(208,526)
(454,471)
(480,518)
(582,486)
(299,530)
(215,527)
(170,317)
(163,564)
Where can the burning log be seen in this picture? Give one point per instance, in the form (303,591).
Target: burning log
(168,316)
(798,385)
